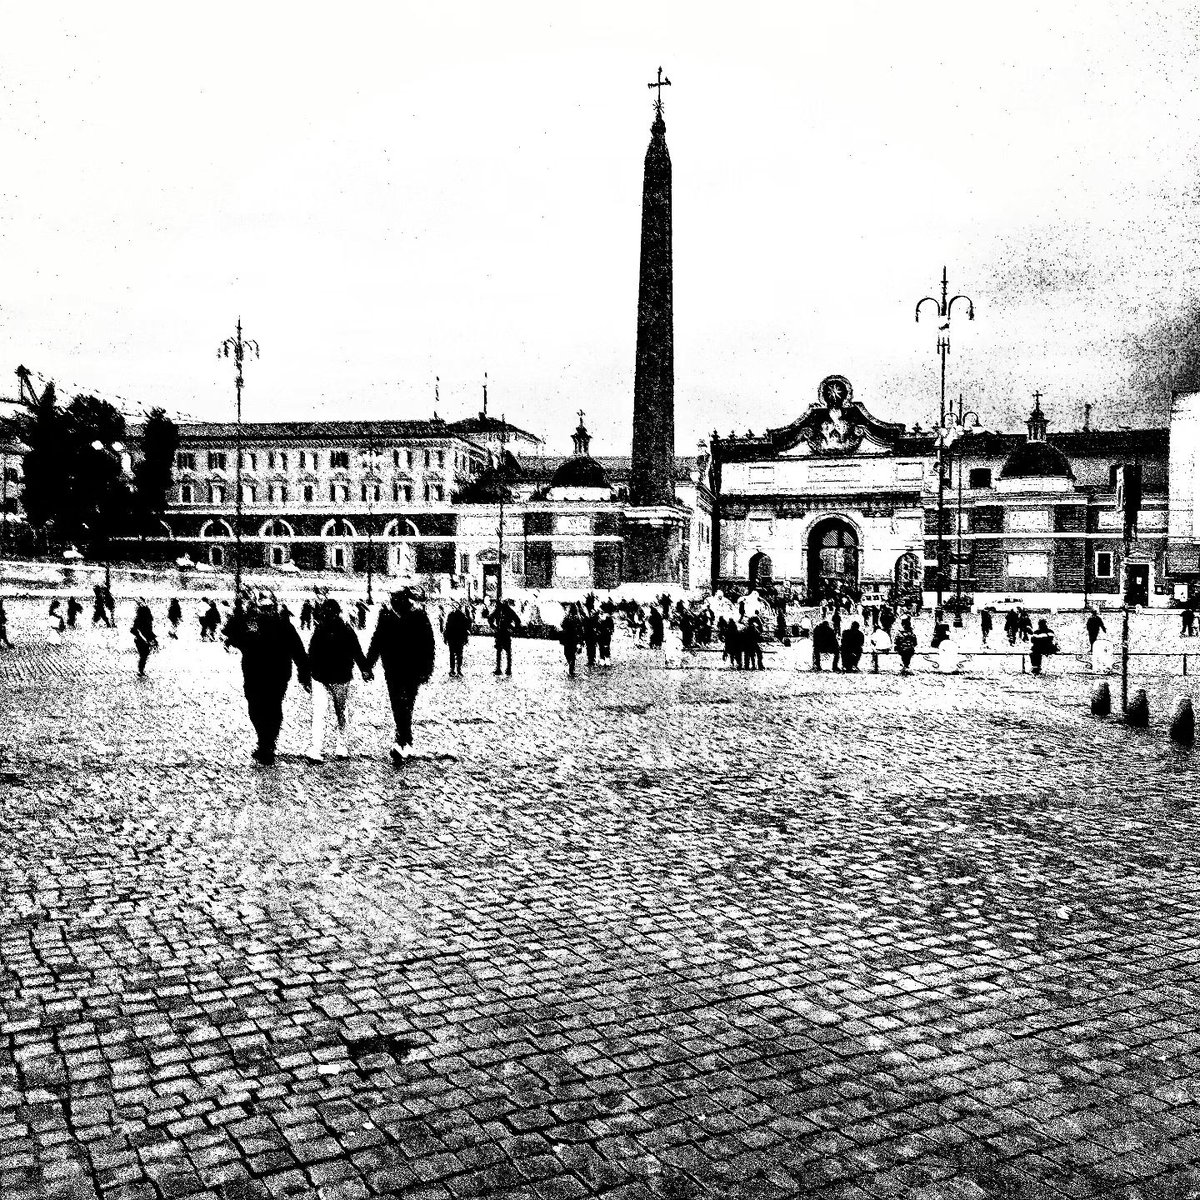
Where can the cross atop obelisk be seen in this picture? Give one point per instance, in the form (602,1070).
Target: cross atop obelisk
(660,83)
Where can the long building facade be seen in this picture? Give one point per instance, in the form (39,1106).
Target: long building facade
(841,500)
(471,506)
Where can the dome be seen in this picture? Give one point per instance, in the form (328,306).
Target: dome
(580,471)
(1035,460)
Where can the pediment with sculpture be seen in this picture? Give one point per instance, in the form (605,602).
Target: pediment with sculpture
(836,425)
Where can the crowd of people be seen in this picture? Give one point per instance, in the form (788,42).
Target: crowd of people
(835,636)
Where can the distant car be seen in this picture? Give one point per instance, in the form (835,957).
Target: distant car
(874,597)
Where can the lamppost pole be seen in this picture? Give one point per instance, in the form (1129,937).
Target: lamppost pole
(500,531)
(118,449)
(960,427)
(369,461)
(237,348)
(943,309)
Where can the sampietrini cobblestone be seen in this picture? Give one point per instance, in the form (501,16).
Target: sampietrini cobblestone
(651,933)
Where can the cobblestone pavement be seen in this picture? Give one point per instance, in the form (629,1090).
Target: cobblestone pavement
(652,932)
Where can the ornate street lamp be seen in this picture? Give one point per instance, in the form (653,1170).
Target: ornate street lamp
(237,348)
(943,309)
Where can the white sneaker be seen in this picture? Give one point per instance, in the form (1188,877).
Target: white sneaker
(315,758)
(340,751)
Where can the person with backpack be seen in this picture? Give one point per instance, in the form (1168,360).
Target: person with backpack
(455,633)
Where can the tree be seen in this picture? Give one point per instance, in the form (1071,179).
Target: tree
(96,499)
(152,476)
(42,428)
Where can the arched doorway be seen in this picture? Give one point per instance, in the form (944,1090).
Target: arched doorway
(760,569)
(908,579)
(832,558)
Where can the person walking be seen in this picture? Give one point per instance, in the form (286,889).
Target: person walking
(143,633)
(853,641)
(360,606)
(1024,625)
(174,616)
(269,646)
(306,614)
(210,621)
(733,644)
(887,618)
(1041,644)
(55,623)
(1094,626)
(655,619)
(752,654)
(504,622)
(403,643)
(333,653)
(604,636)
(1188,628)
(1012,622)
(4,642)
(825,641)
(571,635)
(74,608)
(590,621)
(99,607)
(905,644)
(456,632)
(985,623)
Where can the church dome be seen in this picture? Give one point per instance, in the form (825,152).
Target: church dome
(1035,459)
(580,471)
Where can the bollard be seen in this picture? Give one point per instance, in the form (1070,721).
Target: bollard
(1138,712)
(1183,722)
(874,662)
(1101,699)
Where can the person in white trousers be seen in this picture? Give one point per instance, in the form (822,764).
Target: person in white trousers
(333,653)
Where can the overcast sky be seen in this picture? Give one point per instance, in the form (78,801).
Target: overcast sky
(389,192)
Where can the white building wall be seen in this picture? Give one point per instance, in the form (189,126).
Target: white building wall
(1184,469)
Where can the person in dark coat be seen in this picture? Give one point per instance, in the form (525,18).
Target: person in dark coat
(403,642)
(590,624)
(752,654)
(74,608)
(1024,625)
(941,630)
(99,607)
(1012,623)
(655,618)
(1188,626)
(887,618)
(143,633)
(306,615)
(4,627)
(604,636)
(1094,626)
(269,646)
(210,620)
(905,645)
(985,623)
(571,636)
(456,632)
(853,641)
(825,641)
(505,622)
(333,653)
(733,643)
(1041,644)
(174,615)
(360,607)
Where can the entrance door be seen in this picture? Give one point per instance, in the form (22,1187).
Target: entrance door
(1137,584)
(832,558)
(760,569)
(491,578)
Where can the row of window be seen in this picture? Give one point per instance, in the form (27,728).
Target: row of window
(339,493)
(339,460)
